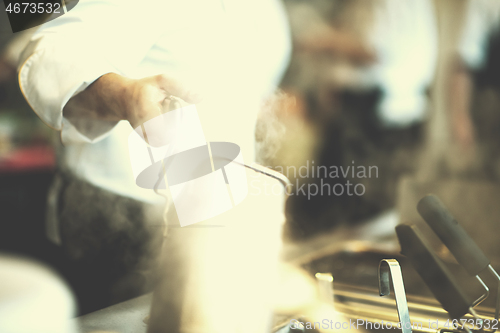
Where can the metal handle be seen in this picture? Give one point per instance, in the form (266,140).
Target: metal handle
(390,268)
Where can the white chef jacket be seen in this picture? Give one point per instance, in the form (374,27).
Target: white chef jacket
(482,18)
(404,36)
(233,51)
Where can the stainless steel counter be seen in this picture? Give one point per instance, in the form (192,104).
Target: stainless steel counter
(126,317)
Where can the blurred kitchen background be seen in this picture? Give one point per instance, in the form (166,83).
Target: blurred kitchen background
(411,87)
(27,159)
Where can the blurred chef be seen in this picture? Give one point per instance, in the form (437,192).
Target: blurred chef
(365,69)
(480,28)
(106,67)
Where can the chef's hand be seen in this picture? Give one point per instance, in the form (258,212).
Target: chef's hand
(114,97)
(146,98)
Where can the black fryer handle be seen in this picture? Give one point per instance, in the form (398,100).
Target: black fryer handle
(432,270)
(456,239)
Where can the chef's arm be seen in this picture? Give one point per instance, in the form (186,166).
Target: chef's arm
(70,60)
(114,97)
(461,87)
(336,43)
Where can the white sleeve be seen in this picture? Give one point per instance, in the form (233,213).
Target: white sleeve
(481,19)
(68,53)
